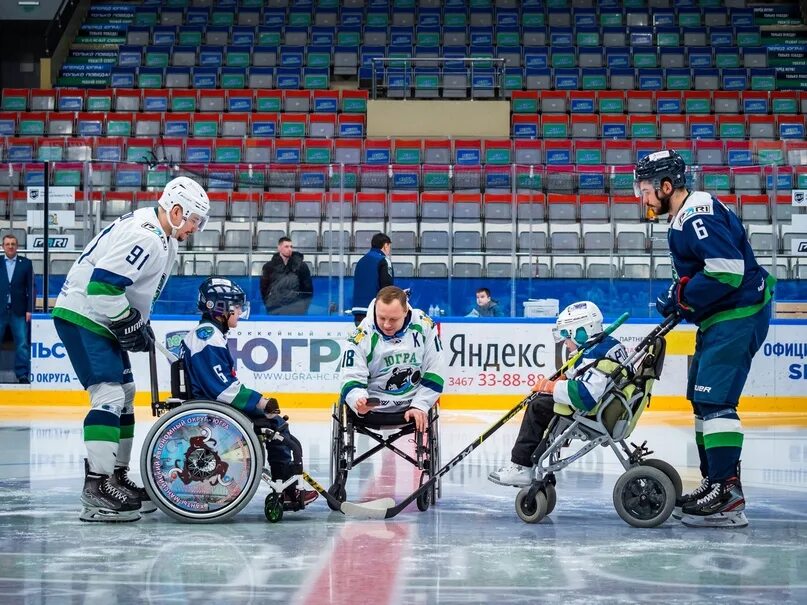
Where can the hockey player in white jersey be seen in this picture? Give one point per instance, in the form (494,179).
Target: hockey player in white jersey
(395,356)
(101,315)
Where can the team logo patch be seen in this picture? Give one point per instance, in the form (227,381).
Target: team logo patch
(205,332)
(357,336)
(688,213)
(156,231)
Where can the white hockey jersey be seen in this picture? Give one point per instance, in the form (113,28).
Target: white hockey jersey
(125,265)
(402,371)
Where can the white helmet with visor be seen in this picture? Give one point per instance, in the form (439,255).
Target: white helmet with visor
(580,321)
(191,197)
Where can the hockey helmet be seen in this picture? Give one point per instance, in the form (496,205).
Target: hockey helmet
(580,321)
(220,296)
(190,196)
(655,167)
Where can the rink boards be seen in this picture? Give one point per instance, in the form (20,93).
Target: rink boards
(490,365)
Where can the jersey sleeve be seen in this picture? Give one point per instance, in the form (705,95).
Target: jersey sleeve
(586,388)
(433,369)
(213,374)
(709,238)
(134,255)
(354,370)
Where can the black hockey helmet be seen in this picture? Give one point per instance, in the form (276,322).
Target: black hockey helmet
(655,167)
(219,296)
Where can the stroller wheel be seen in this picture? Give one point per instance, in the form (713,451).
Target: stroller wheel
(644,496)
(669,470)
(273,508)
(530,510)
(551,497)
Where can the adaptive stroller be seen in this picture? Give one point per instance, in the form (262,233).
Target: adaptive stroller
(644,496)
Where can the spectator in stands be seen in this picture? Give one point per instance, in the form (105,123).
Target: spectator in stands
(286,285)
(373,272)
(17,304)
(485,305)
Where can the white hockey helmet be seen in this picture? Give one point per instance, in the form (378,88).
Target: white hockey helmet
(579,321)
(190,196)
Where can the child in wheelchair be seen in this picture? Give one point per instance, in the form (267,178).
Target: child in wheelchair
(581,388)
(210,370)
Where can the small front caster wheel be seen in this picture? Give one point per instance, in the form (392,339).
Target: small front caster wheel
(273,508)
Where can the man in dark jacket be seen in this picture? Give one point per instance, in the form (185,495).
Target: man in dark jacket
(286,285)
(17,304)
(373,272)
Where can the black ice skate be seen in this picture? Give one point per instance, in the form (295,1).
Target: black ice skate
(133,491)
(699,492)
(103,501)
(722,506)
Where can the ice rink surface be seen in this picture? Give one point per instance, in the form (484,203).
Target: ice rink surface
(469,548)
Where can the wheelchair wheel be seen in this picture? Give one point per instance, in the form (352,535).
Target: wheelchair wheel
(644,496)
(273,508)
(202,462)
(338,491)
(551,497)
(434,456)
(669,470)
(530,510)
(425,499)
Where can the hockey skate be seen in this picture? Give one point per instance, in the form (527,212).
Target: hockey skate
(133,491)
(103,501)
(512,474)
(695,494)
(722,506)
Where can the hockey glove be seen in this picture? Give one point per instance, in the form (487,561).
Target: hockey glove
(544,385)
(272,406)
(672,301)
(132,332)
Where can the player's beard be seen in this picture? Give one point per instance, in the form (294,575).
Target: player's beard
(664,202)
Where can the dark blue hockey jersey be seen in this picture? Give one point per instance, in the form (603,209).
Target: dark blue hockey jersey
(708,245)
(211,369)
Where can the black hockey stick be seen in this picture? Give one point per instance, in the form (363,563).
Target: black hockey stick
(360,510)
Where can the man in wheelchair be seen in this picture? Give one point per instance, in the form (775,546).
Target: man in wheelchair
(392,367)
(392,376)
(210,370)
(582,387)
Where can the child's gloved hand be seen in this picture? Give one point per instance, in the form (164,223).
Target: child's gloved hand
(544,385)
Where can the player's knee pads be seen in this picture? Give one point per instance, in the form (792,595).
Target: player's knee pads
(108,396)
(129,391)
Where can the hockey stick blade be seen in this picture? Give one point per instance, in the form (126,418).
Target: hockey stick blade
(355,510)
(381,504)
(365,511)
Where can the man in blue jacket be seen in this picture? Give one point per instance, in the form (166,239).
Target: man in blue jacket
(17,304)
(373,272)
(718,286)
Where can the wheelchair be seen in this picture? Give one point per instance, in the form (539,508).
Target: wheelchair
(385,430)
(203,461)
(645,495)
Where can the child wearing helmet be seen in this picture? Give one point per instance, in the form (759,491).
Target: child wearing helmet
(581,387)
(210,369)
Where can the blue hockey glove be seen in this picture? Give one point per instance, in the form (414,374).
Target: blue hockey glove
(672,301)
(132,332)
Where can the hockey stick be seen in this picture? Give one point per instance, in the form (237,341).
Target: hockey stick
(381,503)
(358,510)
